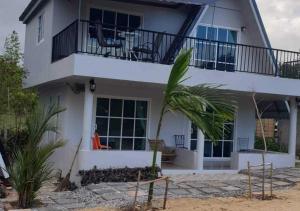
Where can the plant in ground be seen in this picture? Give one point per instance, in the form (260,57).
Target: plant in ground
(30,168)
(206,106)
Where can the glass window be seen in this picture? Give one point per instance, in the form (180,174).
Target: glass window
(128,126)
(122,124)
(207,149)
(141,109)
(102,126)
(211,33)
(222,35)
(214,55)
(41,26)
(116,108)
(129,108)
(127,143)
(113,22)
(134,21)
(217,149)
(102,107)
(115,127)
(140,128)
(232,36)
(201,32)
(139,144)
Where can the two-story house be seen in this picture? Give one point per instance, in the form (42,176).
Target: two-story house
(107,62)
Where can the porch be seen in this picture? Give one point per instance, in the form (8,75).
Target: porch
(125,115)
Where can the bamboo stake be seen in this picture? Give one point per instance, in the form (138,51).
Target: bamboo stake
(137,190)
(271,180)
(166,193)
(249,181)
(265,144)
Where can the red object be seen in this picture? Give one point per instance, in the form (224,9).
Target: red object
(97,143)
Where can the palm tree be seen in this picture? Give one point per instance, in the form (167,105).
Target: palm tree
(206,106)
(30,168)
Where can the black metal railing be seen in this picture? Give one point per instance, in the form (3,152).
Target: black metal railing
(151,46)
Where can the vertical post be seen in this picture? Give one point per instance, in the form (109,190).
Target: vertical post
(136,190)
(249,181)
(166,193)
(293,127)
(87,118)
(200,150)
(271,180)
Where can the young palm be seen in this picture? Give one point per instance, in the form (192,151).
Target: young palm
(205,105)
(30,168)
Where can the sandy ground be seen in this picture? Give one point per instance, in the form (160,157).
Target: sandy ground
(288,200)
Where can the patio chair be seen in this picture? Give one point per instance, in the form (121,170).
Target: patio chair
(180,141)
(149,49)
(168,154)
(97,143)
(103,43)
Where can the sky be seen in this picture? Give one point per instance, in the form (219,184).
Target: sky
(281,18)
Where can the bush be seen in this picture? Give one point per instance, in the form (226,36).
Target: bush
(271,145)
(30,167)
(115,175)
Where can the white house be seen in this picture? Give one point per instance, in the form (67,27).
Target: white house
(124,50)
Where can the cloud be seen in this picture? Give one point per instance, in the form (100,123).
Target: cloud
(282,21)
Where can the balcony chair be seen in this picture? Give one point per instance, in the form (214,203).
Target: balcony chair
(97,143)
(179,141)
(103,43)
(243,145)
(168,154)
(151,50)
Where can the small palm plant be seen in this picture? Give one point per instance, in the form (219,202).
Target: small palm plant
(30,167)
(206,106)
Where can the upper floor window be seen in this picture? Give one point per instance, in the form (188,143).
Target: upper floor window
(41,26)
(115,22)
(216,49)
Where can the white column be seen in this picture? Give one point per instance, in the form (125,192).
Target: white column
(293,127)
(200,150)
(87,118)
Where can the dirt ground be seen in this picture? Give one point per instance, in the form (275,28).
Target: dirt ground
(287,200)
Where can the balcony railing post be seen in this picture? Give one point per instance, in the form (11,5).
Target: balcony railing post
(76,36)
(276,64)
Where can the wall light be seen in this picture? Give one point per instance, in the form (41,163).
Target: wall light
(243,28)
(92,85)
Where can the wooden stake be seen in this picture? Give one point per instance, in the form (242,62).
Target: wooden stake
(166,193)
(249,181)
(137,190)
(271,180)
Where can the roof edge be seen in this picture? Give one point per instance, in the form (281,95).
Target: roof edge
(261,23)
(33,5)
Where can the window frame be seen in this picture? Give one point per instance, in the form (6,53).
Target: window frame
(40,28)
(233,123)
(215,46)
(109,117)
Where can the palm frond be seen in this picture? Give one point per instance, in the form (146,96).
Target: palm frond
(31,168)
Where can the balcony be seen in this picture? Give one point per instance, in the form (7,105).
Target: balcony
(138,45)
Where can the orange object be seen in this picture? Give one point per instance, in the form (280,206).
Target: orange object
(97,143)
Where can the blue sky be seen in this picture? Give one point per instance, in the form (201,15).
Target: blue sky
(281,18)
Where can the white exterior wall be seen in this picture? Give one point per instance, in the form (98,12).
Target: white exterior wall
(37,57)
(245,124)
(279,160)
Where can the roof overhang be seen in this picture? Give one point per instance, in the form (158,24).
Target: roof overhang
(35,4)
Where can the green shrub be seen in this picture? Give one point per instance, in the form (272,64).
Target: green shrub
(30,167)
(271,145)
